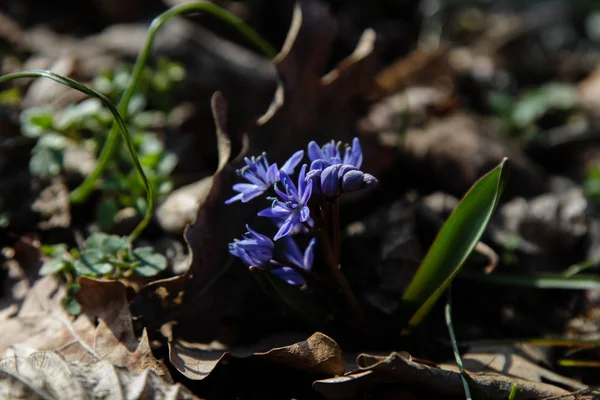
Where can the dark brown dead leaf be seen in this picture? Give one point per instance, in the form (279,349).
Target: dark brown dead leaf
(450,154)
(443,382)
(49,375)
(309,103)
(19,272)
(319,354)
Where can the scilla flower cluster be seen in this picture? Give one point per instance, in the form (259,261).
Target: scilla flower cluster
(307,206)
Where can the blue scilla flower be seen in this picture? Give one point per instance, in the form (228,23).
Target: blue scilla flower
(330,153)
(294,256)
(292,205)
(333,174)
(261,176)
(255,249)
(341,178)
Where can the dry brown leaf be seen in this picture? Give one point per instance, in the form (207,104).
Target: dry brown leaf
(400,368)
(319,354)
(506,360)
(49,375)
(53,206)
(43,324)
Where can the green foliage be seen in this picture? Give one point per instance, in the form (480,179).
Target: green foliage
(86,123)
(453,245)
(591,185)
(108,256)
(520,116)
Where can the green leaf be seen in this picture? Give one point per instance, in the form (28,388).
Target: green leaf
(105,213)
(53,266)
(35,121)
(45,162)
(94,241)
(150,262)
(72,306)
(70,302)
(542,281)
(294,298)
(92,263)
(106,244)
(54,249)
(113,244)
(452,246)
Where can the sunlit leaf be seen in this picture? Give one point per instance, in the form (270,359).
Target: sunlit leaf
(92,263)
(150,262)
(53,266)
(453,245)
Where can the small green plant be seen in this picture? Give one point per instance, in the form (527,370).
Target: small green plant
(520,116)
(107,256)
(85,124)
(104,255)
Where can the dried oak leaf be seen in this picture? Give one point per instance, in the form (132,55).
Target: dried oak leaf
(114,338)
(443,381)
(42,324)
(311,103)
(319,354)
(49,375)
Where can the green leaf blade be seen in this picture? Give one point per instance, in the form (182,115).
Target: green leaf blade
(454,243)
(53,266)
(150,262)
(92,263)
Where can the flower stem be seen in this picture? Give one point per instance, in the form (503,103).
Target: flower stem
(334,263)
(81,193)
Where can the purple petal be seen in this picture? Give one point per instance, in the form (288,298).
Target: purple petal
(289,275)
(352,180)
(292,252)
(304,214)
(319,165)
(301,181)
(315,152)
(369,179)
(357,156)
(264,240)
(330,181)
(272,175)
(292,162)
(253,179)
(344,169)
(287,182)
(235,198)
(335,160)
(307,192)
(274,212)
(287,226)
(309,254)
